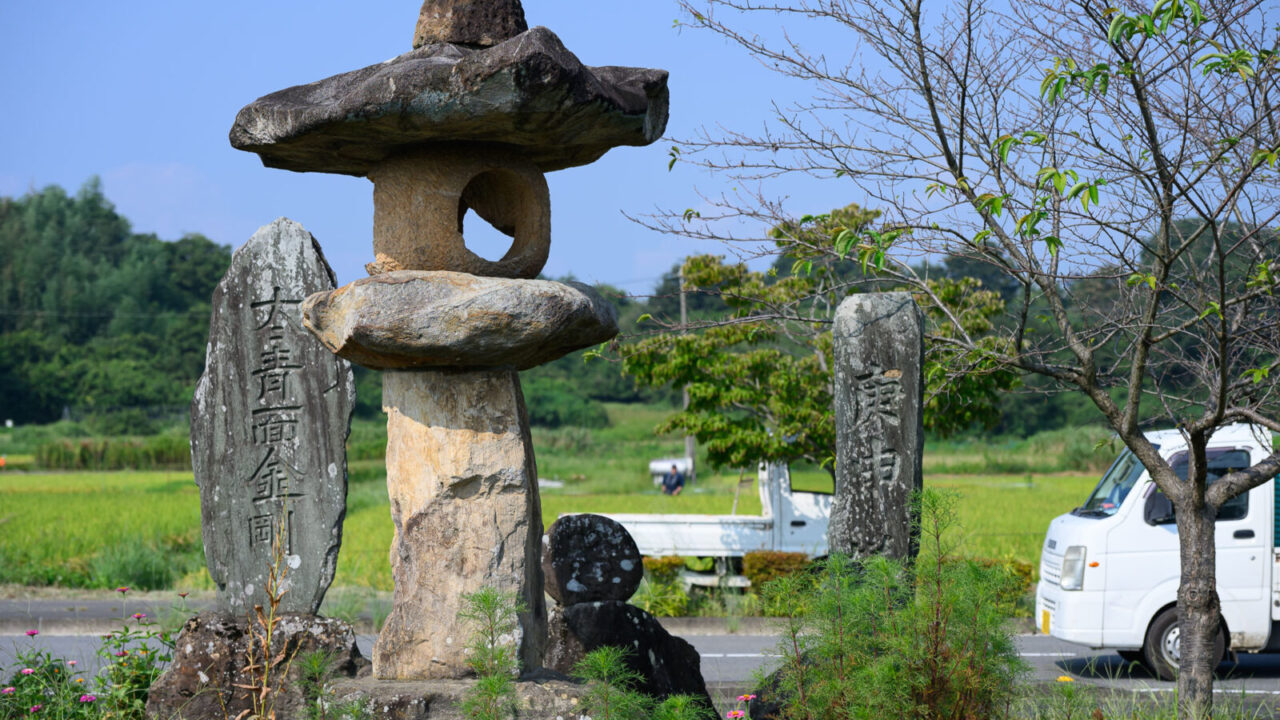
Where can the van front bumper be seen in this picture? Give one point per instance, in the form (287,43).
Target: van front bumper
(1074,616)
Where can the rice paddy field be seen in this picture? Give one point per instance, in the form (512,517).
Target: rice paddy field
(102,529)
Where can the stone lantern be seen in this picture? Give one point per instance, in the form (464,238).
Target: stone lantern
(467,121)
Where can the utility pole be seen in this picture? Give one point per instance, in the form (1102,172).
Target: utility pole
(684,327)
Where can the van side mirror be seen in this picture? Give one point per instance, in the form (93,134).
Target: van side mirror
(1158,509)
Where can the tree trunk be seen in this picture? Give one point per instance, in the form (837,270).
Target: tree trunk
(1199,612)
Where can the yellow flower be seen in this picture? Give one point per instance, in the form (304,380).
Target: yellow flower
(79,679)
(1066,678)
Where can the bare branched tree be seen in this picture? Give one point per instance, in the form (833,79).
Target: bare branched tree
(1117,160)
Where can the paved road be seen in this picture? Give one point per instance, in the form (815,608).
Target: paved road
(734,659)
(729,663)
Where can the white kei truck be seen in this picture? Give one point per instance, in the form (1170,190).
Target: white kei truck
(790,521)
(1109,570)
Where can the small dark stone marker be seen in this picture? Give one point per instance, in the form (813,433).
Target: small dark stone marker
(879,386)
(269,425)
(587,558)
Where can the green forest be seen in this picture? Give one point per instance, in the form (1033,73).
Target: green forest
(107,327)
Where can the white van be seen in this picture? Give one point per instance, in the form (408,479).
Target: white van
(1109,569)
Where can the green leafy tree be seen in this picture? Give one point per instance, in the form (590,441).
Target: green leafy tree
(1132,145)
(760,377)
(94,316)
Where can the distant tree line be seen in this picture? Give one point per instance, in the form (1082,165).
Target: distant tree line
(95,318)
(109,326)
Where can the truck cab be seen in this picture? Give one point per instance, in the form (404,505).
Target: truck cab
(1110,569)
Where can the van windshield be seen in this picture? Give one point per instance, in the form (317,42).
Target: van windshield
(1114,488)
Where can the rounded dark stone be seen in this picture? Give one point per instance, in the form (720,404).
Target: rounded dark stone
(590,558)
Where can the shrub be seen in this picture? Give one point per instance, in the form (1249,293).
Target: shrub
(610,694)
(663,569)
(661,598)
(764,566)
(493,617)
(136,564)
(1019,576)
(881,638)
(553,403)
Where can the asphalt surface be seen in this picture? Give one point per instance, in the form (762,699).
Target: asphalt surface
(70,629)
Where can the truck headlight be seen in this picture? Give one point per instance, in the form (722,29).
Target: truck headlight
(1072,568)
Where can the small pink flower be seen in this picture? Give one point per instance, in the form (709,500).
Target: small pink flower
(36,708)
(746,698)
(122,653)
(139,616)
(88,698)
(122,589)
(734,714)
(32,633)
(71,663)
(8,691)
(27,671)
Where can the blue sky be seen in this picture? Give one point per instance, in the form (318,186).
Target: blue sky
(143,94)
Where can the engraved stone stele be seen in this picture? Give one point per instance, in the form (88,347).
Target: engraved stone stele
(464,501)
(269,424)
(409,319)
(879,385)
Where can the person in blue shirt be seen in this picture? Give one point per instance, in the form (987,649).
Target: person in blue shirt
(672,482)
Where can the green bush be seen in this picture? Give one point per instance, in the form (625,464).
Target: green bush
(881,639)
(764,566)
(1020,577)
(663,569)
(139,565)
(662,598)
(610,694)
(554,402)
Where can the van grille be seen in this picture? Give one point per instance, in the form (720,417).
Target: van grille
(1051,568)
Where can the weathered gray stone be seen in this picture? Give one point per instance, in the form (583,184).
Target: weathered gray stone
(542,699)
(207,677)
(587,557)
(469,22)
(410,319)
(528,93)
(879,385)
(464,500)
(667,665)
(269,424)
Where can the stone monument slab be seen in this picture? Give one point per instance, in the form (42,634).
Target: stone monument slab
(879,385)
(269,425)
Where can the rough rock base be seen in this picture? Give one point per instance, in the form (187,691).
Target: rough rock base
(464,500)
(667,665)
(442,699)
(211,654)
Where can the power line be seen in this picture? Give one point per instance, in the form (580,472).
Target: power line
(59,313)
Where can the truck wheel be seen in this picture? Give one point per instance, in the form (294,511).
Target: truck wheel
(1162,650)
